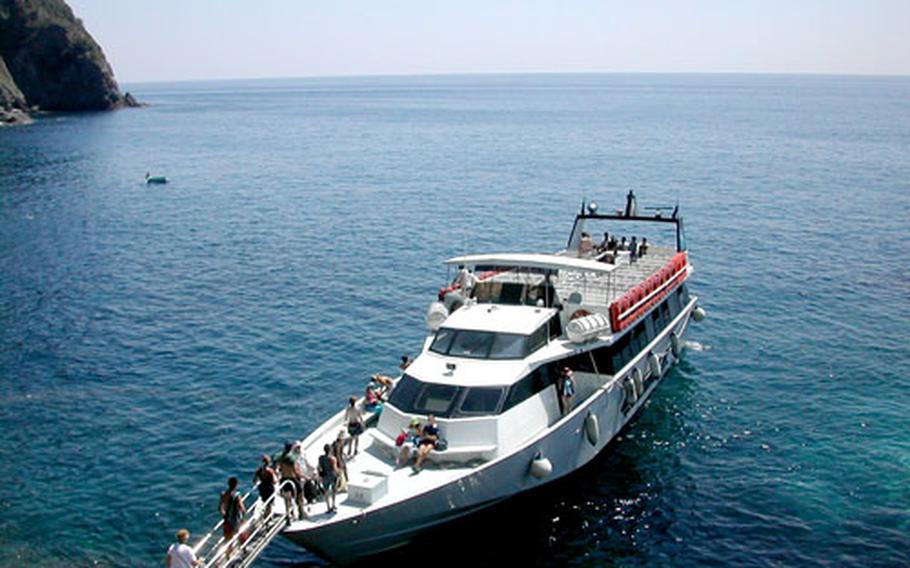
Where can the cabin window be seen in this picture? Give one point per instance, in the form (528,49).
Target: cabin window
(405,392)
(417,397)
(485,344)
(481,400)
(472,344)
(528,386)
(443,341)
(538,339)
(509,346)
(555,326)
(435,399)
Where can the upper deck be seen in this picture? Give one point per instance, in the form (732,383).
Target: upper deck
(584,279)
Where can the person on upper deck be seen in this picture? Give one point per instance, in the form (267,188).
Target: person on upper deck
(604,244)
(428,438)
(633,250)
(585,245)
(405,362)
(643,247)
(623,245)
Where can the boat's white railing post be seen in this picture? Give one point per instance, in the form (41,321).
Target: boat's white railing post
(256,522)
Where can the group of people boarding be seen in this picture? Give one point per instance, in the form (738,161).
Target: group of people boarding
(607,250)
(328,477)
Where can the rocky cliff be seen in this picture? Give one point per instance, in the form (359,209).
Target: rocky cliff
(50,62)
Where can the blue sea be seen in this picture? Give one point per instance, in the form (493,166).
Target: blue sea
(155,340)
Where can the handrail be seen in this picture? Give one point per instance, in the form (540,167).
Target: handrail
(658,290)
(255,519)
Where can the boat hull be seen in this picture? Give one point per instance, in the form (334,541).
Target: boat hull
(568,445)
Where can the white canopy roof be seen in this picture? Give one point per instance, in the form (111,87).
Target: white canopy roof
(542,261)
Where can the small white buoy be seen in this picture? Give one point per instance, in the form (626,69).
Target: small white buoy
(654,362)
(629,388)
(541,467)
(699,314)
(674,344)
(639,382)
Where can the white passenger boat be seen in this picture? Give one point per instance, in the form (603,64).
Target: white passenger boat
(489,371)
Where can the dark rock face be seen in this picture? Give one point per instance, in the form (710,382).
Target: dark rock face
(51,60)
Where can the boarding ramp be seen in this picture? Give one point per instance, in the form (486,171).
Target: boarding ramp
(261,524)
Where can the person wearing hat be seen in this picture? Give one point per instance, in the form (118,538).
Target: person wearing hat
(180,555)
(412,435)
(566,389)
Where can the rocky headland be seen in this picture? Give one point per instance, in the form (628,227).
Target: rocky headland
(49,62)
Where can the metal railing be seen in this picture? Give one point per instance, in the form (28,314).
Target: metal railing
(258,527)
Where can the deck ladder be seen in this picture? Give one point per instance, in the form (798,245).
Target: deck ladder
(256,531)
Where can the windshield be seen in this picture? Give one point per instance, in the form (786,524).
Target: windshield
(445,401)
(480,344)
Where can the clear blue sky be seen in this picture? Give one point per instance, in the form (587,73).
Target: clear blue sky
(153,40)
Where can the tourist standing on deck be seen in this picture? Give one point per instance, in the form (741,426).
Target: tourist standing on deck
(267,479)
(353,417)
(180,555)
(232,511)
(328,475)
(566,389)
(290,470)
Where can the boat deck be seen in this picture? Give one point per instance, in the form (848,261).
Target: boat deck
(601,290)
(373,462)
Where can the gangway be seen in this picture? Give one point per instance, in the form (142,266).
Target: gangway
(261,524)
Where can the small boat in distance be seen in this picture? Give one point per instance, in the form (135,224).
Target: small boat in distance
(150,179)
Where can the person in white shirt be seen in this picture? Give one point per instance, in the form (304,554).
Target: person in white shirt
(180,555)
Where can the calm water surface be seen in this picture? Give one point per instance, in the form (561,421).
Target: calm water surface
(154,340)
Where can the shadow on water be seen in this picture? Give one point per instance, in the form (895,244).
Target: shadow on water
(606,513)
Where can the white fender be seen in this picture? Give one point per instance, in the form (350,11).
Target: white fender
(631,393)
(654,363)
(674,344)
(699,314)
(436,315)
(540,467)
(592,429)
(639,382)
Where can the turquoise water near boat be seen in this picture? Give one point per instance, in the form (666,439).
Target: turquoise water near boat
(153,343)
